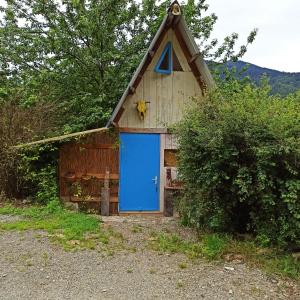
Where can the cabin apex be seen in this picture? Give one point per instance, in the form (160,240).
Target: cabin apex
(164,91)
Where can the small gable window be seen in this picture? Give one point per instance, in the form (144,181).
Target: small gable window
(168,61)
(164,64)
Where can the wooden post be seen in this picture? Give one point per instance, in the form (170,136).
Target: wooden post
(169,195)
(105,196)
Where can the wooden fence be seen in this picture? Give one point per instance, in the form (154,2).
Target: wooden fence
(82,169)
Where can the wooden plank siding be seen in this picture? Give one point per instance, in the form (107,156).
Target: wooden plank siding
(84,164)
(167,141)
(168,94)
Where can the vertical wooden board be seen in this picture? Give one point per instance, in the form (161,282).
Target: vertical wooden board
(188,88)
(178,96)
(165,104)
(181,57)
(154,77)
(147,97)
(139,96)
(169,102)
(123,122)
(197,89)
(170,141)
(133,116)
(159,100)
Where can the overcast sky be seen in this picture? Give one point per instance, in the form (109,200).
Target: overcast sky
(277,45)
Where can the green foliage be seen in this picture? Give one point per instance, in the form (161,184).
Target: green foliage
(81,54)
(72,60)
(239,160)
(19,124)
(213,246)
(67,228)
(38,165)
(172,243)
(282,83)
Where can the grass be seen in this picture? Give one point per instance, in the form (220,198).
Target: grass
(72,230)
(219,247)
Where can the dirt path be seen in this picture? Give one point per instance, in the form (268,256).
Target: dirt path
(33,268)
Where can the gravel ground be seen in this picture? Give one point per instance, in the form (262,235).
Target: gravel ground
(33,268)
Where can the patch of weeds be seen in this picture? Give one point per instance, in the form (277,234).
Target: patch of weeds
(131,249)
(182,265)
(137,228)
(115,234)
(270,260)
(110,253)
(214,246)
(152,271)
(26,260)
(281,264)
(172,243)
(45,258)
(129,270)
(179,284)
(217,246)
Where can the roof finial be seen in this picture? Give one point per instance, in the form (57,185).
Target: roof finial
(175,8)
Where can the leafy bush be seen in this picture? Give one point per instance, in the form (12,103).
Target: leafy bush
(239,159)
(18,125)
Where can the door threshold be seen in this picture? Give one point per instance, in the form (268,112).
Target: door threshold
(141,213)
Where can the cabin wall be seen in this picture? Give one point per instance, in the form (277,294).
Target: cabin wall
(168,94)
(168,144)
(82,168)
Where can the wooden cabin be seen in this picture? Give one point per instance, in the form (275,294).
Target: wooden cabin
(137,159)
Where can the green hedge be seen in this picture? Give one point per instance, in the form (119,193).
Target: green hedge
(239,159)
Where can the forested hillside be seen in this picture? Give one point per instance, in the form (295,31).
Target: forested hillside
(282,83)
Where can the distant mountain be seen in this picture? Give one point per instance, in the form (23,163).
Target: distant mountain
(282,83)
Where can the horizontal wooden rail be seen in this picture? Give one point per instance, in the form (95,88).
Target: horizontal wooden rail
(113,199)
(87,176)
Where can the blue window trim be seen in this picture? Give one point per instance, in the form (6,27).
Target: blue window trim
(166,51)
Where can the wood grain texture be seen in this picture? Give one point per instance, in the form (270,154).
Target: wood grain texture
(168,95)
(86,164)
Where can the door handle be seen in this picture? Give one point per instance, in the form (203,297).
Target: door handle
(155,180)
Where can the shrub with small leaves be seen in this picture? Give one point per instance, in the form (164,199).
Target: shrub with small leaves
(239,159)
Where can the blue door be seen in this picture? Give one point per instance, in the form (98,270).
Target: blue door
(139,172)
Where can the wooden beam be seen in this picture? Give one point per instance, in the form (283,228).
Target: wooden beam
(98,146)
(131,89)
(176,21)
(112,199)
(151,53)
(188,56)
(143,130)
(149,58)
(61,137)
(194,57)
(119,115)
(88,176)
(170,20)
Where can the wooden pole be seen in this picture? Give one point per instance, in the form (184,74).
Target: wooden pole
(105,196)
(62,137)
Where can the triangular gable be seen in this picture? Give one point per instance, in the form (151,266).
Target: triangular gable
(189,48)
